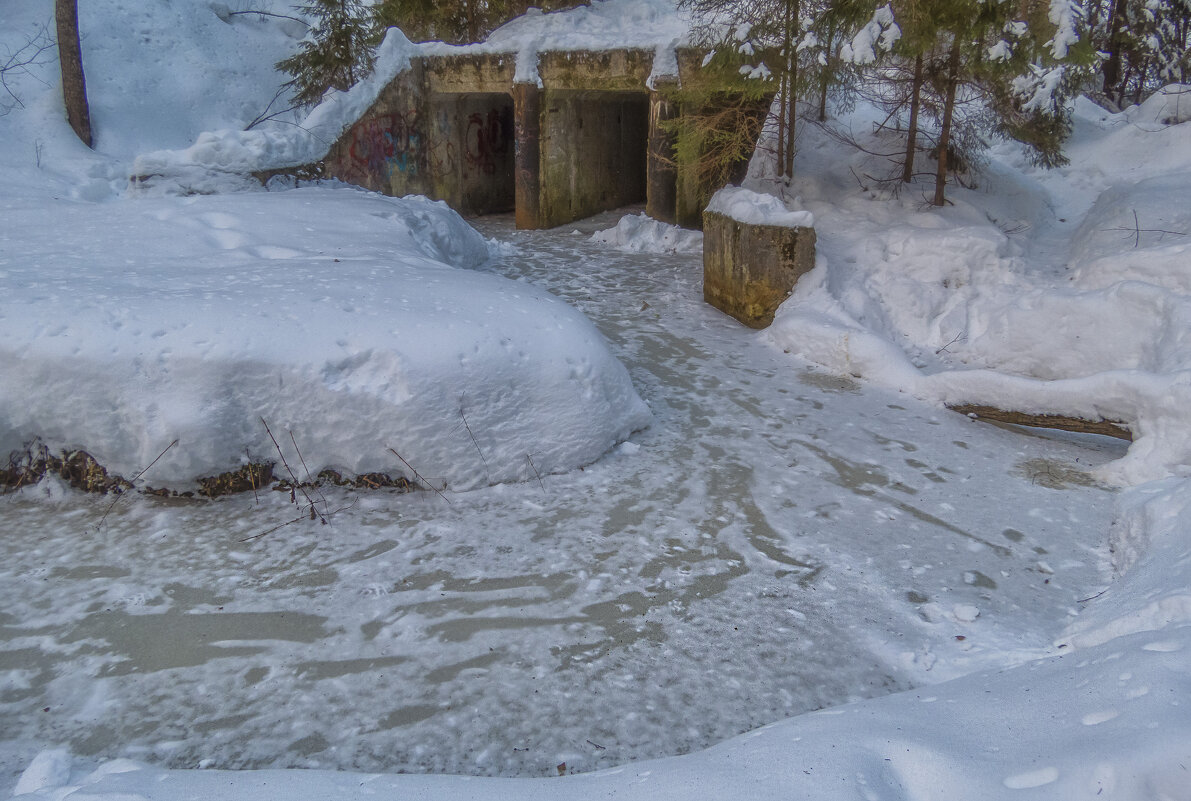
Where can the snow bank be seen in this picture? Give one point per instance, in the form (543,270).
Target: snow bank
(1137,232)
(1151,548)
(1170,105)
(757,208)
(639,233)
(1071,299)
(602,25)
(239,152)
(330,313)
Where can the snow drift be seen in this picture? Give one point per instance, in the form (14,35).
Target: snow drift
(244,309)
(1046,293)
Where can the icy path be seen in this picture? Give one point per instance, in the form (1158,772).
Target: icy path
(777,541)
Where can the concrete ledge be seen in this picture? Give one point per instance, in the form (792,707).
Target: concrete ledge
(749,269)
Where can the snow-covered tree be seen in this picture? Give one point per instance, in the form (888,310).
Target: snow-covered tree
(1040,60)
(337,52)
(788,47)
(976,67)
(1146,44)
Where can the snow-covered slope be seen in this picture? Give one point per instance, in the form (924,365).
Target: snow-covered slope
(348,319)
(1036,291)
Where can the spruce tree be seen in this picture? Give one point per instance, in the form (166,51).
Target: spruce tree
(1146,44)
(979,67)
(336,53)
(1038,63)
(767,42)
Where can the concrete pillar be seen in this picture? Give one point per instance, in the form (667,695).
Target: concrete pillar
(527,114)
(661,176)
(749,269)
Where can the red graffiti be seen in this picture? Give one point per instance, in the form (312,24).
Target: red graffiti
(487,138)
(384,144)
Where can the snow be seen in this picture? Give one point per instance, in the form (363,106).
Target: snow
(284,307)
(1039,292)
(757,208)
(1063,15)
(638,233)
(771,518)
(354,323)
(879,33)
(601,25)
(217,152)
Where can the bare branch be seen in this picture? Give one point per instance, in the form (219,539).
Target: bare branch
(535,472)
(1137,231)
(295,484)
(265,116)
(20,60)
(473,441)
(418,476)
(268,14)
(133,482)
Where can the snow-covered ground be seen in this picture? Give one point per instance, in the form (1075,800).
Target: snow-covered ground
(1061,292)
(352,321)
(978,613)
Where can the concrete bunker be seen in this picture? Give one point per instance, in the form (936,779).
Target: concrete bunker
(587,137)
(471,160)
(593,153)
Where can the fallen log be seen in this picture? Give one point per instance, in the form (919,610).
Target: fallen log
(1109,428)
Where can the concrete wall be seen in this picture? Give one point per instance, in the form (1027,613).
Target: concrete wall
(458,129)
(748,270)
(387,150)
(593,153)
(471,151)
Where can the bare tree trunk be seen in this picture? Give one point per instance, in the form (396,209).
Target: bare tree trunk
(781,123)
(70,57)
(948,114)
(1112,65)
(791,42)
(824,86)
(825,75)
(912,129)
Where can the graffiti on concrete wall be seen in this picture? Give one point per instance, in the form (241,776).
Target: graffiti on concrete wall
(488,139)
(384,145)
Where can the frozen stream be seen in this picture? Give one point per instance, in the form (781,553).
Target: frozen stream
(778,541)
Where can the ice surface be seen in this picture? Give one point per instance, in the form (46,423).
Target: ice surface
(779,540)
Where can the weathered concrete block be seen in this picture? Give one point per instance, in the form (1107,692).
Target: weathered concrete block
(750,268)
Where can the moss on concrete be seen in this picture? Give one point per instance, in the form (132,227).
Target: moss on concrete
(748,270)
